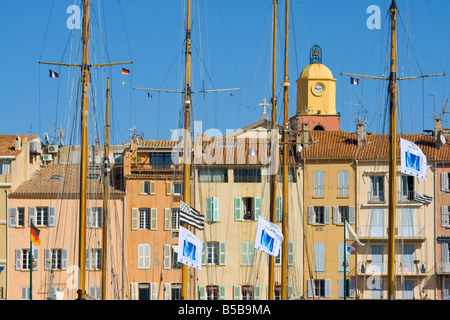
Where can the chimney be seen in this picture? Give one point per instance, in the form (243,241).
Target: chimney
(361,134)
(306,135)
(437,127)
(18,143)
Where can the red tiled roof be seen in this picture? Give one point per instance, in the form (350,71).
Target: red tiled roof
(7,144)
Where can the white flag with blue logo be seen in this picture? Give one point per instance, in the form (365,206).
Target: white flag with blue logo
(190,249)
(413,161)
(268,237)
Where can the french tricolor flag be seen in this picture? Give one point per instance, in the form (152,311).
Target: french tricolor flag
(53,74)
(354,81)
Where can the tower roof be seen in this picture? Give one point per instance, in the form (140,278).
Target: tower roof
(316,71)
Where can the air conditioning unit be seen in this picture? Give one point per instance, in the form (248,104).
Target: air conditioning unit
(47,157)
(35,146)
(52,148)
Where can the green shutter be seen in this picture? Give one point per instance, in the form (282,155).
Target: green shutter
(290,253)
(222,251)
(215,209)
(237,209)
(279,209)
(236,292)
(257,207)
(201,293)
(222,293)
(244,254)
(209,202)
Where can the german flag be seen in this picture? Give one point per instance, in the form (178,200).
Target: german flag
(125,71)
(34,234)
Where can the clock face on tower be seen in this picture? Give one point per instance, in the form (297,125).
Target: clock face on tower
(318,88)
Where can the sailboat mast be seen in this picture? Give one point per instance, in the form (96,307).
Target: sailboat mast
(84,154)
(105,195)
(274,177)
(392,151)
(285,85)
(187,122)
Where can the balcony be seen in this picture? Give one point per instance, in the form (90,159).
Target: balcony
(373,232)
(370,268)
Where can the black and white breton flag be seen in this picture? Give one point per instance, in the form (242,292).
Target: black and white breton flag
(191,216)
(422,198)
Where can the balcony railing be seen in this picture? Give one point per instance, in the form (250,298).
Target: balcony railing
(443,267)
(401,232)
(376,197)
(381,268)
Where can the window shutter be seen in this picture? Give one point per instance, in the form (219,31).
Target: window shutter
(236,292)
(36,259)
(257,292)
(444,181)
(167,250)
(340,183)
(316,183)
(215,209)
(167,219)
(346,183)
(290,254)
(203,253)
(244,254)
(153,291)
(153,219)
(201,293)
(222,251)
(25,293)
(51,216)
(168,188)
(444,216)
(237,209)
(327,288)
(341,257)
(290,291)
(319,256)
(222,293)
(310,215)
(209,213)
(134,218)
(46,259)
(251,252)
(88,217)
(64,259)
(445,259)
(351,214)
(310,288)
(278,210)
(327,215)
(88,266)
(257,207)
(167,291)
(141,187)
(351,288)
(12,217)
(18,259)
(31,213)
(321,183)
(153,188)
(141,256)
(147,256)
(134,291)
(335,214)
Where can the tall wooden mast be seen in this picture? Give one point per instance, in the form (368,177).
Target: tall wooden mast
(274,135)
(286,145)
(187,125)
(392,150)
(84,154)
(106,181)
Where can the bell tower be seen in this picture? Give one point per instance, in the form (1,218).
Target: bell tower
(316,94)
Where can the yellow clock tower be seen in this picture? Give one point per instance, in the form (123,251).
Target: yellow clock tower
(316,94)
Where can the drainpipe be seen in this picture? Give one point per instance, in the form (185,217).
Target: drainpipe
(435,230)
(123,246)
(7,245)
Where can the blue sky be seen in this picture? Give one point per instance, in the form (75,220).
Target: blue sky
(232,45)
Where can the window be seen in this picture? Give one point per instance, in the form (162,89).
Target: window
(377,226)
(175,263)
(319,288)
(4,167)
(212,175)
(26,259)
(319,184)
(95,292)
(291,175)
(144,291)
(56,259)
(247,293)
(25,293)
(144,256)
(95,217)
(343,183)
(249,208)
(56,177)
(318,215)
(212,292)
(445,217)
(41,216)
(212,253)
(408,289)
(175,219)
(376,189)
(161,160)
(176,291)
(349,288)
(376,255)
(93,176)
(21,217)
(445,181)
(407,258)
(94,259)
(248,253)
(177,188)
(407,188)
(144,219)
(319,256)
(343,214)
(118,158)
(277,292)
(247,175)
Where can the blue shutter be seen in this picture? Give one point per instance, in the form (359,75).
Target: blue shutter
(51,216)
(46,259)
(12,217)
(31,215)
(18,259)
(341,257)
(310,215)
(64,259)
(351,214)
(327,215)
(319,256)
(335,214)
